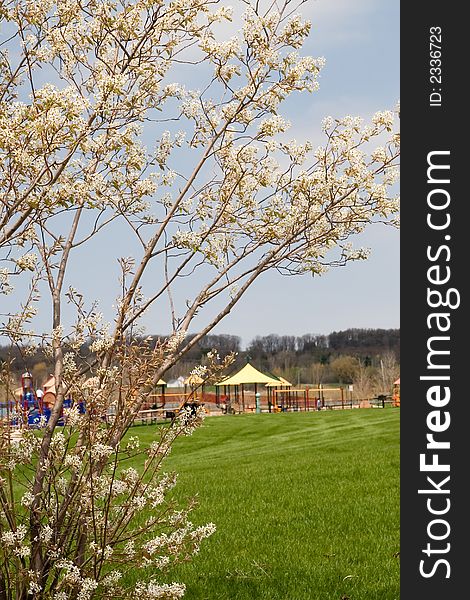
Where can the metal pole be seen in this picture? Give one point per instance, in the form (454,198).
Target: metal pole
(383,374)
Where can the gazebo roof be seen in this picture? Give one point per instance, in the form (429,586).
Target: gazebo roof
(248,374)
(281,382)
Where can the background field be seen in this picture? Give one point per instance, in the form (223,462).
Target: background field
(306,505)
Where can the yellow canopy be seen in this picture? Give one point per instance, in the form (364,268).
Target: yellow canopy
(161,382)
(281,381)
(248,374)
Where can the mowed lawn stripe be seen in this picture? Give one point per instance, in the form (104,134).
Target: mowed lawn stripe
(306,505)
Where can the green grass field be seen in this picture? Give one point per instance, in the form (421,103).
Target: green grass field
(306,505)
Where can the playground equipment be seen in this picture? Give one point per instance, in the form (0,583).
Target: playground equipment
(194,395)
(167,405)
(247,375)
(396,393)
(289,399)
(29,408)
(157,401)
(332,398)
(150,416)
(282,386)
(281,396)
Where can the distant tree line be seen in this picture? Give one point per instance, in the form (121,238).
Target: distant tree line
(361,342)
(368,358)
(360,356)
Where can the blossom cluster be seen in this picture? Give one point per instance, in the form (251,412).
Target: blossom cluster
(220,195)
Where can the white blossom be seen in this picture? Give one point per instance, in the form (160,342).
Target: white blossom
(154,591)
(99,451)
(27,499)
(27,262)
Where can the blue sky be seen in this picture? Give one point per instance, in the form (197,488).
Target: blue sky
(360,41)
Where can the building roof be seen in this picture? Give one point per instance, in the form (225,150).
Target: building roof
(282,382)
(397,382)
(49,385)
(178,382)
(248,374)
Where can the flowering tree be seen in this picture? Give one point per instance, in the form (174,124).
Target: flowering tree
(102,130)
